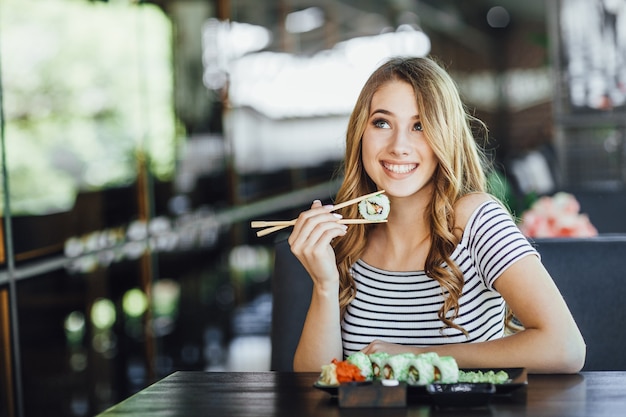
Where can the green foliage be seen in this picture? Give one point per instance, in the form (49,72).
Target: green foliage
(498,185)
(86,86)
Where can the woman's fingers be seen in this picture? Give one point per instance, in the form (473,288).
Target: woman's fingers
(309,220)
(311,239)
(391,348)
(315,233)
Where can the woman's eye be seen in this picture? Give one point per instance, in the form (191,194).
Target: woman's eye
(418,126)
(381,124)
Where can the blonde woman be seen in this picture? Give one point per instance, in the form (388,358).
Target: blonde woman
(443,271)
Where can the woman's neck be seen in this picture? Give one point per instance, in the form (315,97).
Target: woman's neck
(401,244)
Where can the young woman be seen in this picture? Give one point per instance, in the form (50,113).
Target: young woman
(442,272)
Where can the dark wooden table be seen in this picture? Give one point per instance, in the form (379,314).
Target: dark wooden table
(225,394)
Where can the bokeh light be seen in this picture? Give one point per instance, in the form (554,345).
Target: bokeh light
(103,314)
(135,302)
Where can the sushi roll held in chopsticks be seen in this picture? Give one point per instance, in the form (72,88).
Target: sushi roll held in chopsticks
(375,208)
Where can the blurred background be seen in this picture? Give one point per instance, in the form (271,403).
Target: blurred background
(139,138)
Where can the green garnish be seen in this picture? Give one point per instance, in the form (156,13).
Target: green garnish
(500,377)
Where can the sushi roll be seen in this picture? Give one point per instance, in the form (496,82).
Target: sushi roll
(421,370)
(397,366)
(378,360)
(446,370)
(363,362)
(375,208)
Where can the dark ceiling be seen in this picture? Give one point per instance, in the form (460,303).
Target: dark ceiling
(462,19)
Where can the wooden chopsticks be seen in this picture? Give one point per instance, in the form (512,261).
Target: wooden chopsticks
(287,223)
(276,225)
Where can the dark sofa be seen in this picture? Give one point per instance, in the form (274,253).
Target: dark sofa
(589,272)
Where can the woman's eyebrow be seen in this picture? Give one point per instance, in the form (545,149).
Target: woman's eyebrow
(389,113)
(383,111)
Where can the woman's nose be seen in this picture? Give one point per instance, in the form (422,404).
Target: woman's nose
(400,144)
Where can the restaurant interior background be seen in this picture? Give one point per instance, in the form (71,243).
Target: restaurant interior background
(139,138)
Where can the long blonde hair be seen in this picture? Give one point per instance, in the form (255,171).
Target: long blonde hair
(461,170)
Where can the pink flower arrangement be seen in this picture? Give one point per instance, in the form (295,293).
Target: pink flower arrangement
(556,216)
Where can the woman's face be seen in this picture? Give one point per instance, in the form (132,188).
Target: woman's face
(395,152)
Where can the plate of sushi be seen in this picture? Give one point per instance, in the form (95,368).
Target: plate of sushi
(425,374)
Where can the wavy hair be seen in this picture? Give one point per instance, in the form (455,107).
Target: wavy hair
(461,170)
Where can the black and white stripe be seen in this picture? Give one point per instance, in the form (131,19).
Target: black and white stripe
(401,307)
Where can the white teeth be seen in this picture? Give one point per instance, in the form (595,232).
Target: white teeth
(400,169)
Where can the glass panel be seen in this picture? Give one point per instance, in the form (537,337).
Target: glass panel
(85,106)
(89,132)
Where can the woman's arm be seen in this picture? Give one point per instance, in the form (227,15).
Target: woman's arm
(550,342)
(310,242)
(320,341)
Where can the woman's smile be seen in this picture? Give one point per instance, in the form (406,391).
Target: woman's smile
(399,168)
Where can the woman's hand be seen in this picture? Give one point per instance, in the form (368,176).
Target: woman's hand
(391,348)
(310,242)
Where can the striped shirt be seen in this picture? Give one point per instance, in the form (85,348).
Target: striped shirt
(401,307)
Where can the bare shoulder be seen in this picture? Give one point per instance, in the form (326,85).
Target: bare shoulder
(466,206)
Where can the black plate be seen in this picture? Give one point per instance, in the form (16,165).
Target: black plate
(463,394)
(518,378)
